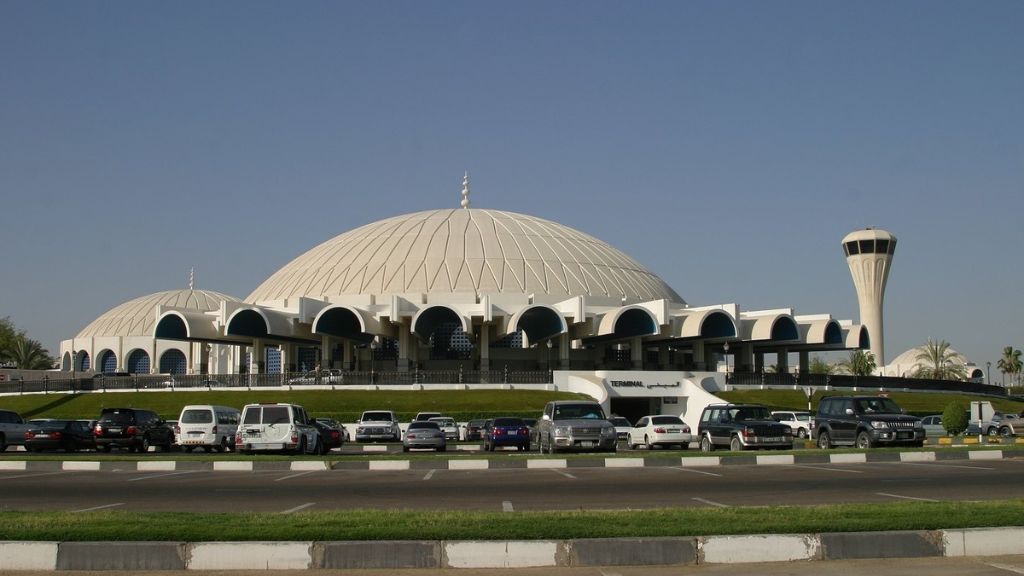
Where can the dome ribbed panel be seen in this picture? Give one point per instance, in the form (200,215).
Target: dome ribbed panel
(474,250)
(138,317)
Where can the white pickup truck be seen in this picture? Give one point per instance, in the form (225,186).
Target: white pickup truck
(12,429)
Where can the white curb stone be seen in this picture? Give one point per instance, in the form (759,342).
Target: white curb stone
(468,447)
(543,463)
(76,465)
(985,455)
(759,548)
(309,465)
(28,555)
(500,554)
(853,458)
(250,556)
(156,466)
(917,456)
(14,465)
(232,466)
(984,541)
(389,465)
(468,464)
(773,459)
(623,462)
(375,448)
(701,461)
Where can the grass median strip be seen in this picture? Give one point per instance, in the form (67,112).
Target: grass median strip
(115,525)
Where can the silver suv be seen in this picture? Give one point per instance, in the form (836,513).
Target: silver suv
(575,425)
(376,425)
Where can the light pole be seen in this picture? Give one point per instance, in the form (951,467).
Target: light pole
(988,373)
(373,349)
(550,372)
(74,353)
(726,347)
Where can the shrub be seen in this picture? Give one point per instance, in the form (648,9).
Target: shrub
(954,417)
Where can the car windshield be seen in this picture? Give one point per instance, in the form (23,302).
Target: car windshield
(666,420)
(118,418)
(376,417)
(424,424)
(52,425)
(620,422)
(444,421)
(197,417)
(751,413)
(508,422)
(582,411)
(877,406)
(803,416)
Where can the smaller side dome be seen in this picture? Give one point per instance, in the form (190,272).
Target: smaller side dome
(136,317)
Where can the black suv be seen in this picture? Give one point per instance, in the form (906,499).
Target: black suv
(864,422)
(133,429)
(742,426)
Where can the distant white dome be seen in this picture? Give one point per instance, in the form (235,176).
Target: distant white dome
(138,318)
(465,250)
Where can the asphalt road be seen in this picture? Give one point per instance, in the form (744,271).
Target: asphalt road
(512,489)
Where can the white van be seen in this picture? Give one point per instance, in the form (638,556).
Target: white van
(277,427)
(207,427)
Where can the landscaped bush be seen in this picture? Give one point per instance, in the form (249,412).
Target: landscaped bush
(954,417)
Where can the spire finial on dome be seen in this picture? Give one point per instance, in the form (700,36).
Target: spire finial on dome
(192,278)
(465,190)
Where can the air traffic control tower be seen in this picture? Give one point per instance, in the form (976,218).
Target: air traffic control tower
(869,253)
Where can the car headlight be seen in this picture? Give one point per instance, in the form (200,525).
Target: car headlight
(562,430)
(918,424)
(608,431)
(879,424)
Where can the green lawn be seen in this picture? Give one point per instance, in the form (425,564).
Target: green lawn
(452,525)
(343,405)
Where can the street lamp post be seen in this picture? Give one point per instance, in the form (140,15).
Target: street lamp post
(373,349)
(74,376)
(550,372)
(726,348)
(988,373)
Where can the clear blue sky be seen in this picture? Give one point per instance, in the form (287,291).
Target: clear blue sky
(728,146)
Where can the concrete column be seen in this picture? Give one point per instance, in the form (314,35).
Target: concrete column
(196,357)
(258,354)
(699,355)
(759,362)
(346,357)
(782,361)
(564,345)
(636,353)
(662,356)
(804,363)
(325,352)
(745,358)
(485,346)
(404,343)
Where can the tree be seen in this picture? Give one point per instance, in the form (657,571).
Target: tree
(819,366)
(937,361)
(954,417)
(1010,363)
(861,363)
(27,354)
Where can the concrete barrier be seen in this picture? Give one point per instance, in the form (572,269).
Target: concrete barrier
(917,456)
(632,551)
(547,463)
(701,461)
(304,465)
(384,555)
(984,541)
(512,554)
(902,544)
(229,466)
(28,555)
(80,465)
(13,465)
(250,556)
(156,466)
(623,462)
(126,556)
(851,458)
(757,548)
(468,464)
(389,465)
(775,459)
(985,455)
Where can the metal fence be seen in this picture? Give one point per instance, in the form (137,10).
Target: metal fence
(820,381)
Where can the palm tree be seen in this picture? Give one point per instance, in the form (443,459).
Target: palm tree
(861,363)
(937,361)
(1010,363)
(27,354)
(820,366)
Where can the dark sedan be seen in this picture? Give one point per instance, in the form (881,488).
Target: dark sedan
(332,434)
(67,435)
(506,432)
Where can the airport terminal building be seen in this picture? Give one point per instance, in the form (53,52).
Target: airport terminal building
(465,289)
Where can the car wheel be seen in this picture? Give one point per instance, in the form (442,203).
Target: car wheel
(490,448)
(188,449)
(801,433)
(824,440)
(3,443)
(991,431)
(647,443)
(405,448)
(302,446)
(105,448)
(864,440)
(629,442)
(684,446)
(443,449)
(706,445)
(735,445)
(1005,432)
(144,446)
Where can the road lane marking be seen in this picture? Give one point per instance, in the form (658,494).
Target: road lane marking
(99,507)
(827,468)
(711,502)
(297,508)
(695,471)
(906,497)
(1006,567)
(948,466)
(429,475)
(31,475)
(290,476)
(148,476)
(506,506)
(566,474)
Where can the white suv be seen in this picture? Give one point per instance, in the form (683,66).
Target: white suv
(378,425)
(798,422)
(277,427)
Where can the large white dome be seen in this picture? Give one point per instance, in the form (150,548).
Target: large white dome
(465,250)
(138,318)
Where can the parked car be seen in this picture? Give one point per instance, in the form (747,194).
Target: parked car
(422,416)
(474,430)
(132,428)
(332,434)
(799,422)
(424,434)
(741,427)
(66,435)
(1011,425)
(662,430)
(933,427)
(575,425)
(506,432)
(12,429)
(448,426)
(622,427)
(314,377)
(207,427)
(278,428)
(376,425)
(865,422)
